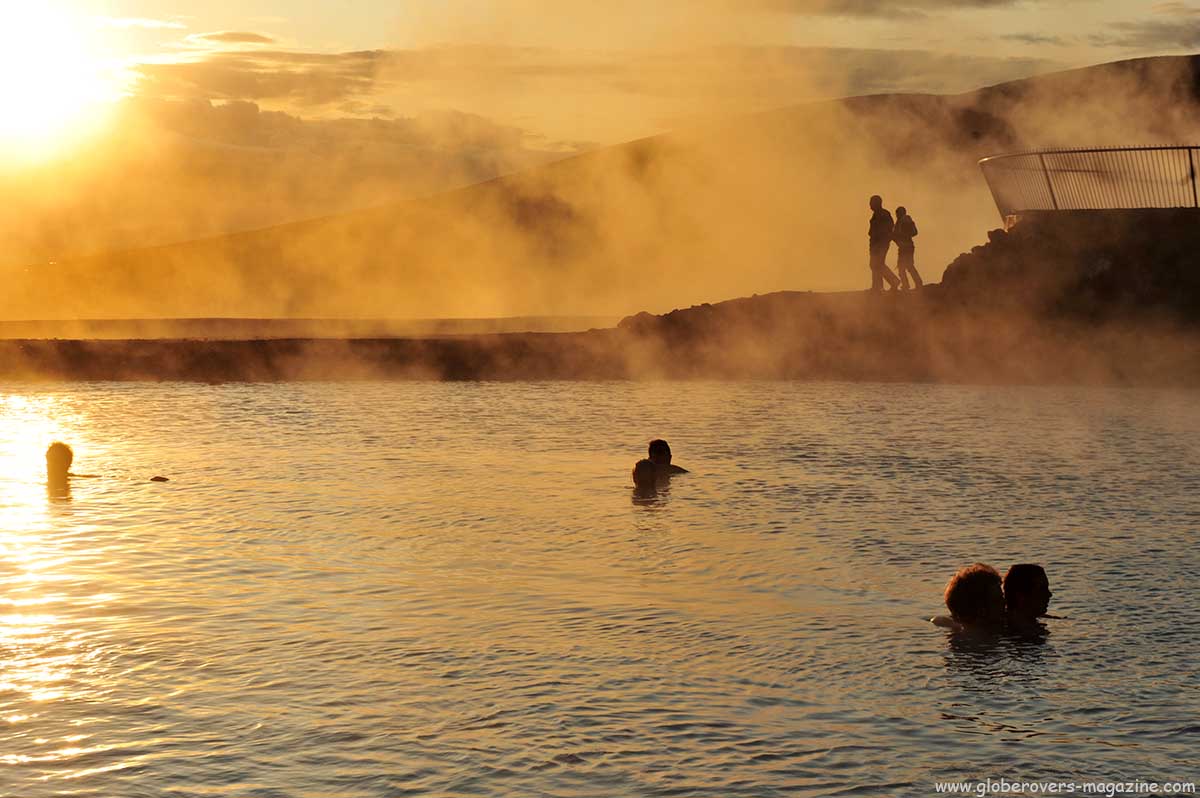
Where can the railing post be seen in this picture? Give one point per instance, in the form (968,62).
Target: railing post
(1192,172)
(1049,185)
(1000,206)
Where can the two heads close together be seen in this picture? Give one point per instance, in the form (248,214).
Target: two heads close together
(657,467)
(979,600)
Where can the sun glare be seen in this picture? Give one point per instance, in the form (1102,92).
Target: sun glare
(55,81)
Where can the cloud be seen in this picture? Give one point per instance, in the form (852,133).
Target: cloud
(635,24)
(571,96)
(231,37)
(873,8)
(570,22)
(301,79)
(142,23)
(1176,9)
(243,124)
(651,89)
(612,71)
(1176,26)
(1034,39)
(1151,35)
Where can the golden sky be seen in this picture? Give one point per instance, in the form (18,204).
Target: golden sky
(563,75)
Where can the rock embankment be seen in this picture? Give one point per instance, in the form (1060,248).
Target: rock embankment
(1087,266)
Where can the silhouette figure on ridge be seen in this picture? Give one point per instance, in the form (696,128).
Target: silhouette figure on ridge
(903,233)
(880,236)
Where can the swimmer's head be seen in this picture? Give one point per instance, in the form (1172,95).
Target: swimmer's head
(975,598)
(1026,592)
(58,460)
(876,202)
(645,475)
(660,452)
(901,212)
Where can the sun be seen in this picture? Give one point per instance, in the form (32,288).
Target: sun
(55,81)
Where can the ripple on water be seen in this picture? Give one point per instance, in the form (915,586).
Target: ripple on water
(433,589)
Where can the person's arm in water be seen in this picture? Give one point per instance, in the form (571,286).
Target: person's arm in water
(674,469)
(946,622)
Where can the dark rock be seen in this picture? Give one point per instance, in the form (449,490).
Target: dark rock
(1098,264)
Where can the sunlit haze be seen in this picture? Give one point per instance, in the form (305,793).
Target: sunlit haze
(130,124)
(57,82)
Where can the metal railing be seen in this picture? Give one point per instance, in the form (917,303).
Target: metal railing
(1105,178)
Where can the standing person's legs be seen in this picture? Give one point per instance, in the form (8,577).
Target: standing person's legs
(906,264)
(903,266)
(880,268)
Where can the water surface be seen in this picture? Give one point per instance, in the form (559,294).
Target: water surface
(388,589)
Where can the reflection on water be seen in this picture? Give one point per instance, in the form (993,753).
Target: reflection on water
(427,589)
(988,658)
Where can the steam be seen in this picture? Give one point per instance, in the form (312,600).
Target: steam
(726,206)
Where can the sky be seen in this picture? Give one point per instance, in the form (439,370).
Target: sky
(576,73)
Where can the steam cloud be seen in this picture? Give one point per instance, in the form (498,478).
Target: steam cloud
(725,207)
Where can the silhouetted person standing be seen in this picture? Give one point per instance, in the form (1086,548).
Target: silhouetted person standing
(906,250)
(880,235)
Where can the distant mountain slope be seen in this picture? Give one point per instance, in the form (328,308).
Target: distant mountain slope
(160,171)
(755,204)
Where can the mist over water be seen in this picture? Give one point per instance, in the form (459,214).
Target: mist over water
(447,589)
